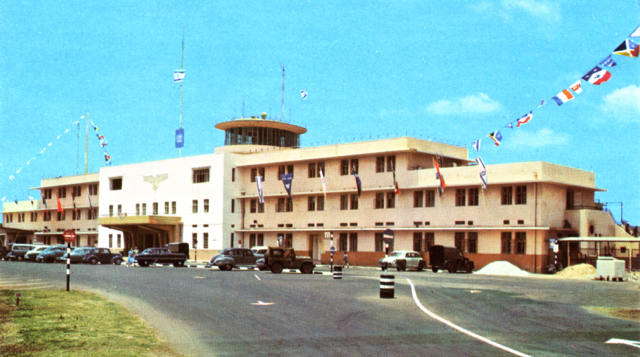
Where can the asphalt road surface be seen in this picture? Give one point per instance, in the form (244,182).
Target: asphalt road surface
(207,312)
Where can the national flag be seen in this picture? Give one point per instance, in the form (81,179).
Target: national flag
(597,76)
(496,136)
(178,75)
(608,62)
(103,143)
(358,182)
(324,186)
(89,195)
(482,170)
(542,102)
(16,201)
(628,48)
(577,87)
(439,177)
(286,181)
(59,205)
(259,185)
(563,97)
(31,199)
(525,119)
(107,157)
(395,183)
(100,137)
(304,94)
(44,200)
(509,126)
(476,145)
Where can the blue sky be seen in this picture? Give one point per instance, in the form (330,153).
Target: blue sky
(451,71)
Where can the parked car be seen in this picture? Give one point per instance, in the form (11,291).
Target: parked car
(179,248)
(160,255)
(403,260)
(233,257)
(102,256)
(33,253)
(18,251)
(52,253)
(449,258)
(278,258)
(77,255)
(259,250)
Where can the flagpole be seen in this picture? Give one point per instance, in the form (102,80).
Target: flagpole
(86,149)
(181,83)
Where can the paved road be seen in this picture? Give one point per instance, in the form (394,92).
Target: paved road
(214,313)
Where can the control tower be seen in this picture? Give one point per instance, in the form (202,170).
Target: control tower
(261,131)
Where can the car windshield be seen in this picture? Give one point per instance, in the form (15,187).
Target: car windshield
(80,251)
(396,254)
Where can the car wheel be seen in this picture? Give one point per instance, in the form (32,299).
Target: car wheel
(276,268)
(306,268)
(93,261)
(143,263)
(228,267)
(451,267)
(118,261)
(421,265)
(434,269)
(469,267)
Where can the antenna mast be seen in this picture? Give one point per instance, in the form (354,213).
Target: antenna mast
(181,83)
(282,112)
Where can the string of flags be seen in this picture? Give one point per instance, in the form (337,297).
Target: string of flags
(596,76)
(103,143)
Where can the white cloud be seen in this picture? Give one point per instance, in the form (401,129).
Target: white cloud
(542,138)
(624,103)
(539,9)
(474,104)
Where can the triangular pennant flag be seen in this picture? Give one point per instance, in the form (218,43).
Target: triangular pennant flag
(496,136)
(324,186)
(635,33)
(286,181)
(178,75)
(628,48)
(476,145)
(482,171)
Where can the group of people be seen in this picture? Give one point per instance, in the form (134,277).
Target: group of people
(131,257)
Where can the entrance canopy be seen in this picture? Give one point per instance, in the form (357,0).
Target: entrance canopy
(145,231)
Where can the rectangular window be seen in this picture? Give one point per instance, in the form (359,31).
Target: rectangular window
(206,205)
(281,171)
(166,207)
(115,184)
(521,195)
(342,242)
(521,243)
(253,206)
(194,240)
(379,204)
(233,175)
(418,199)
(379,243)
(320,167)
(391,200)
(459,241)
(260,239)
(505,242)
(110,210)
(110,240)
(430,198)
(311,203)
(461,197)
(194,206)
(312,170)
(354,166)
(201,175)
(380,164)
(472,242)
(119,240)
(429,240)
(344,167)
(353,242)
(62,191)
(474,194)
(391,163)
(320,203)
(252,240)
(260,207)
(417,241)
(174,207)
(233,206)
(354,201)
(570,199)
(155,208)
(344,202)
(137,209)
(254,173)
(120,209)
(144,209)
(205,240)
(507,195)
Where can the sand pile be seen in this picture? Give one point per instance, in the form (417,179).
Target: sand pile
(579,271)
(502,268)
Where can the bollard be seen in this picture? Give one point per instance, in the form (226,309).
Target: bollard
(387,286)
(337,272)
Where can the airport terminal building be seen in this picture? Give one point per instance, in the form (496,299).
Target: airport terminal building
(212,201)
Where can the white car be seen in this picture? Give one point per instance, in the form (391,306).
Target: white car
(259,250)
(33,253)
(403,260)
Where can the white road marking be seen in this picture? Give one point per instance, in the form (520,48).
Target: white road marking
(260,303)
(257,277)
(635,344)
(451,324)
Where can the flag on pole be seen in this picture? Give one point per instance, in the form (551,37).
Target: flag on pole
(358,182)
(178,75)
(286,180)
(439,177)
(496,136)
(259,184)
(324,186)
(59,205)
(89,195)
(482,171)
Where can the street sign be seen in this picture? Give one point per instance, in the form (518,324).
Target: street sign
(332,250)
(69,236)
(387,236)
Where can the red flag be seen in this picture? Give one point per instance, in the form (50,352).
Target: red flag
(59,205)
(443,184)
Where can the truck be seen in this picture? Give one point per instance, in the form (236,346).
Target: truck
(448,258)
(278,258)
(160,255)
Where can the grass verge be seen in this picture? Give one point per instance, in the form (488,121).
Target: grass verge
(73,323)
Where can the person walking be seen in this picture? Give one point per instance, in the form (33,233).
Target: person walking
(345,262)
(130,261)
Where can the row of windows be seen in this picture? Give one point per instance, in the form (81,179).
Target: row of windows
(47,193)
(76,215)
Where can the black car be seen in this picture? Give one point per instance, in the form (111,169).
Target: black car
(77,255)
(233,257)
(103,256)
(52,253)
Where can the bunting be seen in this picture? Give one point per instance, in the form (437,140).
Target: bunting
(103,143)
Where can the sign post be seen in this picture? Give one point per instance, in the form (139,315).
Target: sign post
(69,237)
(387,238)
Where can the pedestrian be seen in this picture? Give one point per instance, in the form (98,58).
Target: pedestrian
(345,262)
(130,261)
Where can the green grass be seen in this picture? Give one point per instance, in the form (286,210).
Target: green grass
(73,323)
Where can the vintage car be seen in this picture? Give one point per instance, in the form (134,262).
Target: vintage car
(52,253)
(102,256)
(278,258)
(77,255)
(259,250)
(403,260)
(233,257)
(18,251)
(33,253)
(449,258)
(160,255)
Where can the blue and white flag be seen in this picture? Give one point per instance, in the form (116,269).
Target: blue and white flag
(178,75)
(286,180)
(476,145)
(179,138)
(304,94)
(608,62)
(482,170)
(259,184)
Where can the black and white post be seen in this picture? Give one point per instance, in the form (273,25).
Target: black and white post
(69,236)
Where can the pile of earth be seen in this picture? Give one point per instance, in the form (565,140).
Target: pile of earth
(579,271)
(502,268)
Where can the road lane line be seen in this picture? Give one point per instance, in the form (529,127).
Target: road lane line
(451,324)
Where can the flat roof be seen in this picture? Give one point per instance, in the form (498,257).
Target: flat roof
(260,123)
(600,239)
